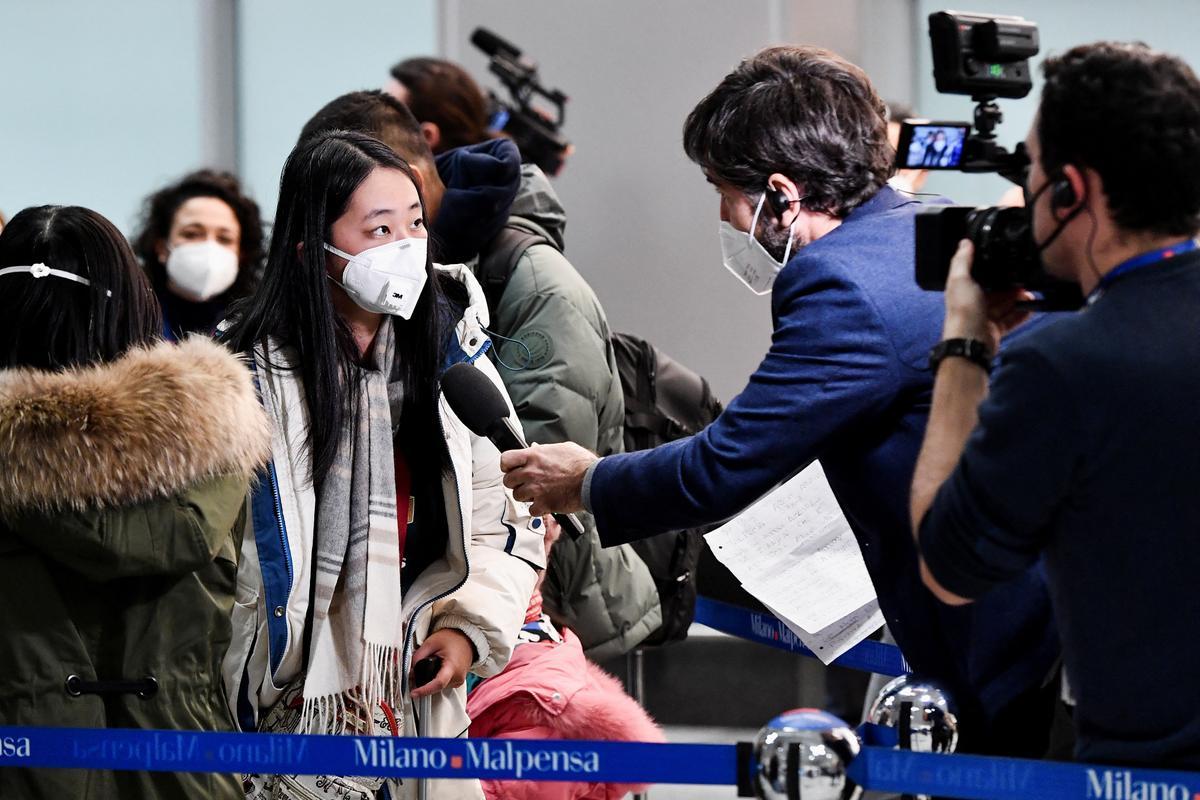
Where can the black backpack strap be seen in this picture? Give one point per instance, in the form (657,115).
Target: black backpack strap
(499,258)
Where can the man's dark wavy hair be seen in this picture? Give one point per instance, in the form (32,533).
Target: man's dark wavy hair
(1133,115)
(801,111)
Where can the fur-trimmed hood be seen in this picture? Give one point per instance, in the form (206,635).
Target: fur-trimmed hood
(151,423)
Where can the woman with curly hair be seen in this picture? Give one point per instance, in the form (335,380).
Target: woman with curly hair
(201,242)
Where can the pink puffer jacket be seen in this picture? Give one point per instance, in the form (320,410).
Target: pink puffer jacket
(551,691)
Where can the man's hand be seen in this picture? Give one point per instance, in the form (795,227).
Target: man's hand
(974,314)
(548,476)
(456,652)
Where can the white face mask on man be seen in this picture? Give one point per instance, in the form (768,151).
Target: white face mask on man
(747,259)
(202,270)
(387,279)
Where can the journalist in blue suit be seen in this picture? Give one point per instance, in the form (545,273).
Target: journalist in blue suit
(794,141)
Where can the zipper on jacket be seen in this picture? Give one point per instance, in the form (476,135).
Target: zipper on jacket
(283,545)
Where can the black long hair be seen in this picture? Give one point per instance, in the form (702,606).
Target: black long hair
(51,323)
(292,304)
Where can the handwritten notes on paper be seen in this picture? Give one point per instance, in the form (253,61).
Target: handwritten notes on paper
(794,550)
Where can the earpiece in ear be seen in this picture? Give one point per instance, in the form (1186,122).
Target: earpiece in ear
(1062,194)
(778,200)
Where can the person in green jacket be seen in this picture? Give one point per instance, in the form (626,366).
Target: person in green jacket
(566,386)
(124,468)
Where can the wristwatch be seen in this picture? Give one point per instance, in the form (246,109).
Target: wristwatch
(972,350)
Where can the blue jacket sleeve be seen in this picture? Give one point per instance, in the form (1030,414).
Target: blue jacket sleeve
(990,519)
(831,363)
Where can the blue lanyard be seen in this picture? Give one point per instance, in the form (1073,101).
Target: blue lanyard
(1145,260)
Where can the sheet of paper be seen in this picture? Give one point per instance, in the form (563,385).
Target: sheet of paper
(794,551)
(839,637)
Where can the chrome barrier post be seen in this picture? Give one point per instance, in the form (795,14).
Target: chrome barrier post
(635,665)
(922,715)
(804,755)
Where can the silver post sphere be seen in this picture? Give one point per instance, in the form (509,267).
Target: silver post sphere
(805,753)
(920,712)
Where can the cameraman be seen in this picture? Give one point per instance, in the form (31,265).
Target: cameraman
(1087,445)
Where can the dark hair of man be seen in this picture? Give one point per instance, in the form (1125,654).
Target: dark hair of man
(377,114)
(803,112)
(1133,115)
(158,214)
(292,303)
(51,323)
(443,93)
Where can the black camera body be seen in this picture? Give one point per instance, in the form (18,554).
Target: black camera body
(535,132)
(986,57)
(982,55)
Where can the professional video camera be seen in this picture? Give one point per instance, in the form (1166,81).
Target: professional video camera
(987,57)
(536,132)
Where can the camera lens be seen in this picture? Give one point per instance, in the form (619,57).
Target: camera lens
(1005,255)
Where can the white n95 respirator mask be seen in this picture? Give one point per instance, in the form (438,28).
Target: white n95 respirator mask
(202,269)
(387,279)
(747,259)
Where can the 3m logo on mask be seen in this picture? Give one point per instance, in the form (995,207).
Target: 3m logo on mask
(1117,784)
(387,279)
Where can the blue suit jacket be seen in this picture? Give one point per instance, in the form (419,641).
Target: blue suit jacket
(846,381)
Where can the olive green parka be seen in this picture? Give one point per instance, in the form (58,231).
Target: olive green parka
(570,391)
(120,487)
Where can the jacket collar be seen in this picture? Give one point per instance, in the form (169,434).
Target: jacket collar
(468,340)
(882,201)
(145,426)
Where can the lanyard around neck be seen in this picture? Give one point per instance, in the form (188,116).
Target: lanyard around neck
(1141,262)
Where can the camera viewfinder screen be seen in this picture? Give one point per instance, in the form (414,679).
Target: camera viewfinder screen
(935,146)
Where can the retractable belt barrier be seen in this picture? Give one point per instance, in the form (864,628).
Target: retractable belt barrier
(288,754)
(765,628)
(875,767)
(989,778)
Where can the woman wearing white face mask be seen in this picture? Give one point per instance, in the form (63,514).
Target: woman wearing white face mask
(382,534)
(201,242)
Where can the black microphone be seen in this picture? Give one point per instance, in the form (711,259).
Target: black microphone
(481,407)
(494,45)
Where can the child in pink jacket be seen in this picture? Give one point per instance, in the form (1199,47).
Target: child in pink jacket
(549,690)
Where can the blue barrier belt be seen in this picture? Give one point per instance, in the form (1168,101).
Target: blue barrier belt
(875,768)
(764,628)
(989,778)
(272,754)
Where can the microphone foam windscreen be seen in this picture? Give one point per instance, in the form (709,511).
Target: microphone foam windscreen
(492,44)
(473,398)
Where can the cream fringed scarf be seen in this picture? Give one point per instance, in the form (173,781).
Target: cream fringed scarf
(357,632)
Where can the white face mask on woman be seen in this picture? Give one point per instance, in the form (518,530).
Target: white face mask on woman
(747,259)
(202,270)
(387,279)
